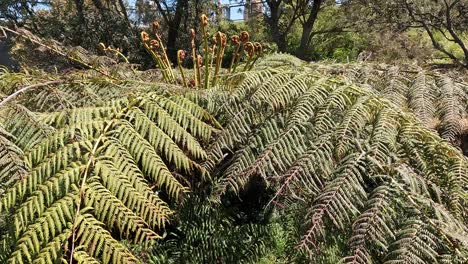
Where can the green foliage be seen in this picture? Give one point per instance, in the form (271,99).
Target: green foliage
(209,234)
(449,45)
(330,39)
(369,173)
(444,23)
(11,163)
(438,101)
(342,47)
(95,175)
(316,163)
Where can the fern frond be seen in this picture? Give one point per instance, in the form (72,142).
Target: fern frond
(421,98)
(25,125)
(372,227)
(100,243)
(415,244)
(122,155)
(334,146)
(210,234)
(82,257)
(12,166)
(451,110)
(348,154)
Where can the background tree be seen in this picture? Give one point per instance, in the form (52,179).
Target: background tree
(443,21)
(17,11)
(309,29)
(280,17)
(308,20)
(286,17)
(173,22)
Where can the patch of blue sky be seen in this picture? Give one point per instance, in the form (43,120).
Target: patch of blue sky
(237,9)
(236,12)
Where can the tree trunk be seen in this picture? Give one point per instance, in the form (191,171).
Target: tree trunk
(124,13)
(280,41)
(173,31)
(273,22)
(307,28)
(301,52)
(455,36)
(79,10)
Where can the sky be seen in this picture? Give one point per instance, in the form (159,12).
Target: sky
(235,14)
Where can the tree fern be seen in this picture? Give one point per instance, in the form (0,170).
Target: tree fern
(336,150)
(438,100)
(97,166)
(95,177)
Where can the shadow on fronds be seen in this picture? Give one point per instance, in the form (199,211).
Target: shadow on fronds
(207,233)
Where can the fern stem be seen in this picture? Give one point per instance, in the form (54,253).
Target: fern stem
(85,176)
(181,54)
(253,63)
(199,58)
(247,64)
(159,63)
(24,89)
(194,58)
(221,40)
(122,56)
(166,59)
(219,60)
(183,76)
(206,83)
(213,55)
(238,56)
(233,59)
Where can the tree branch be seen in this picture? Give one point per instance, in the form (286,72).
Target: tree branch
(429,32)
(450,29)
(164,14)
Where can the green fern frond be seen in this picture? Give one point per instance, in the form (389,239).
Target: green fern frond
(97,173)
(372,227)
(334,145)
(207,234)
(25,125)
(346,151)
(82,257)
(12,166)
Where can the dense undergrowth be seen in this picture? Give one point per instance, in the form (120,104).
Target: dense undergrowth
(284,162)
